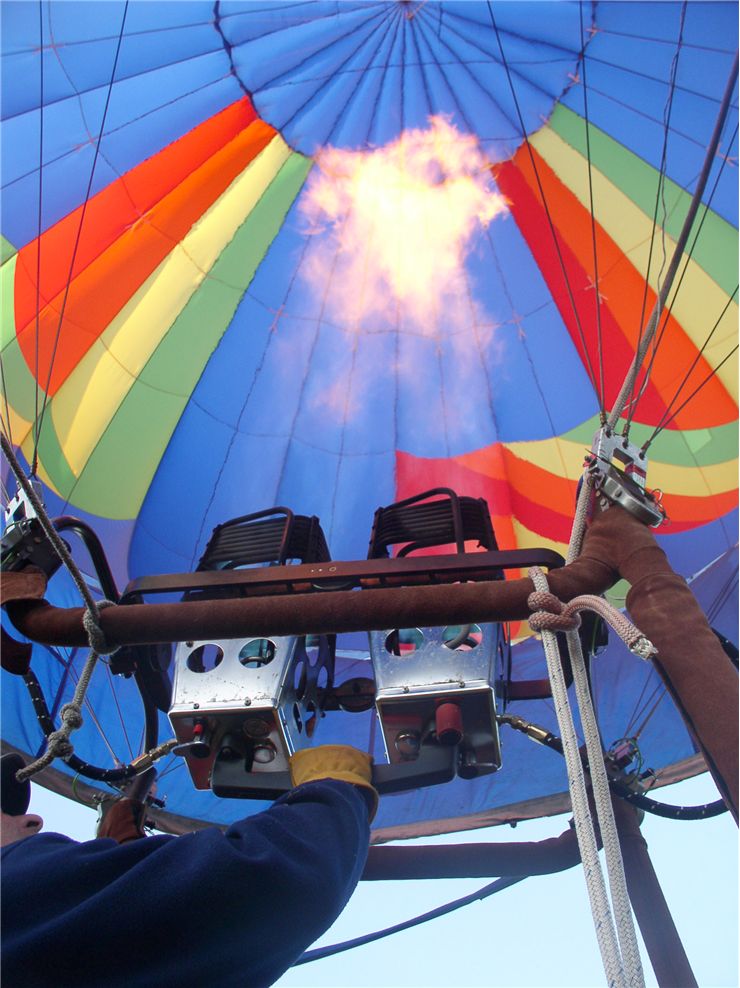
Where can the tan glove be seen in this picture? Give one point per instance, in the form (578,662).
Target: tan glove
(335,761)
(122,819)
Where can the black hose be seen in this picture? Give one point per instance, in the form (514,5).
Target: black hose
(643,802)
(337,948)
(110,775)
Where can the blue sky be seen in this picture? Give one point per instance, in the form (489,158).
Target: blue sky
(538,934)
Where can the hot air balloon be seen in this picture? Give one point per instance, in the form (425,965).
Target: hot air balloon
(326,258)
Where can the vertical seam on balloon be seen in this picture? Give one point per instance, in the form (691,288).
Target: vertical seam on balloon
(319,319)
(312,97)
(420,64)
(636,393)
(531,82)
(551,225)
(79,230)
(235,431)
(345,417)
(227,47)
(521,334)
(372,115)
(357,90)
(431,55)
(482,353)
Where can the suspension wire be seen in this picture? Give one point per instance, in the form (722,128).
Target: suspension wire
(553,232)
(722,596)
(78,237)
(696,390)
(5,426)
(337,948)
(640,703)
(629,381)
(39,222)
(117,705)
(659,200)
(4,491)
(650,713)
(5,420)
(669,308)
(666,417)
(602,394)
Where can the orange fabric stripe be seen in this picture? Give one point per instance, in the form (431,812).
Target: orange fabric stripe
(114,209)
(131,246)
(685,511)
(537,484)
(621,287)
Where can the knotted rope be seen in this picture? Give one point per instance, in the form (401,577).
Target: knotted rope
(58,744)
(551,614)
(615,933)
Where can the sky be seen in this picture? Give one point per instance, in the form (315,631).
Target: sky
(538,934)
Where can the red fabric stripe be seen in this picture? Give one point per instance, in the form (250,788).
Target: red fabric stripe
(128,229)
(531,219)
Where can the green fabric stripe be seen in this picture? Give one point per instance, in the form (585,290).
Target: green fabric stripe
(716,248)
(6,249)
(53,460)
(693,447)
(117,475)
(16,373)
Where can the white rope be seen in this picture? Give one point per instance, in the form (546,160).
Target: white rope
(603,923)
(605,814)
(619,949)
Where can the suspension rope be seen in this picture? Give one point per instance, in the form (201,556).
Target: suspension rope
(619,950)
(39,223)
(667,416)
(543,199)
(629,381)
(696,390)
(52,359)
(669,308)
(659,198)
(597,293)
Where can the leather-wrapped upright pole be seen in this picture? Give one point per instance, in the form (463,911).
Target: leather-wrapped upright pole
(690,660)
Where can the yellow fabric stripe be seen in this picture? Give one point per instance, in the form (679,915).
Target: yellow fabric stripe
(700,300)
(17,378)
(90,397)
(565,458)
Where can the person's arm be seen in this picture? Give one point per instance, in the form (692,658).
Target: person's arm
(235,908)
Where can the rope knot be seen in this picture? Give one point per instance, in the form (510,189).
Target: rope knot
(59,746)
(551,614)
(95,635)
(71,717)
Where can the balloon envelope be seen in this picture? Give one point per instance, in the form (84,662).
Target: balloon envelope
(331,255)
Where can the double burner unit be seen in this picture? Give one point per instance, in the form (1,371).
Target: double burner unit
(241,707)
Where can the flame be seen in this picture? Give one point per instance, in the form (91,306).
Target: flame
(394,226)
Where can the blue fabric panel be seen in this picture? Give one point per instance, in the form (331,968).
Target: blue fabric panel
(690,551)
(628,95)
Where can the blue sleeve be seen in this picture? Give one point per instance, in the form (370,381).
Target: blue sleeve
(234,908)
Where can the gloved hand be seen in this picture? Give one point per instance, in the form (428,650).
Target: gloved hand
(122,819)
(335,761)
